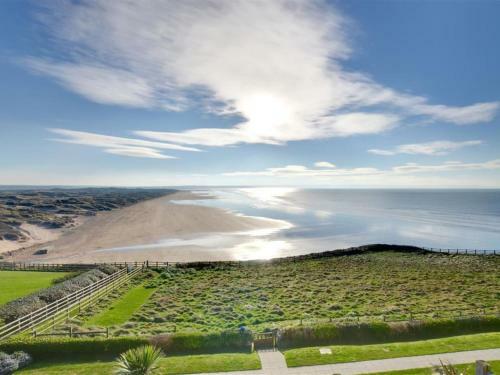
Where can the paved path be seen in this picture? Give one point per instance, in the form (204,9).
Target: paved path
(272,364)
(272,361)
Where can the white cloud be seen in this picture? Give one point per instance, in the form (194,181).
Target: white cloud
(323,172)
(447,167)
(138,152)
(277,64)
(324,164)
(99,83)
(428,148)
(119,145)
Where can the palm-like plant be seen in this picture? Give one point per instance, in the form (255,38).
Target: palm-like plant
(138,361)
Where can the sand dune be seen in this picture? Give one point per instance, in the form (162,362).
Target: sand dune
(145,223)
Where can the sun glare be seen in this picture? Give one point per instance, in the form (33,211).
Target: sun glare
(265,112)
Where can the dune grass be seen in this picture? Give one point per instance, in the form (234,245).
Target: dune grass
(273,295)
(15,284)
(122,309)
(466,369)
(169,365)
(353,353)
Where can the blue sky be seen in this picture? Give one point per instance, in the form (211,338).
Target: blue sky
(340,93)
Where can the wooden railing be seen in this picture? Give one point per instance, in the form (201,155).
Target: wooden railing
(401,316)
(62,309)
(156,264)
(463,251)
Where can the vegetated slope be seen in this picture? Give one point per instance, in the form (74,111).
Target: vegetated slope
(269,295)
(56,208)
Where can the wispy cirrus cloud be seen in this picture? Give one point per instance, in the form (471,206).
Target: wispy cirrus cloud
(427,148)
(276,64)
(322,171)
(119,145)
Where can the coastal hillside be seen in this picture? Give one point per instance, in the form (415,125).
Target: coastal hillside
(368,286)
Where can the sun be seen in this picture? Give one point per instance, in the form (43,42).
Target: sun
(265,112)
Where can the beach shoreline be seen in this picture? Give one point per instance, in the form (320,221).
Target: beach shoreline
(144,226)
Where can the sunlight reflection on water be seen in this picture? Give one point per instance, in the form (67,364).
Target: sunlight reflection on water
(320,220)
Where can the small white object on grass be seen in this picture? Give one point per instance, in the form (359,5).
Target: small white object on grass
(324,351)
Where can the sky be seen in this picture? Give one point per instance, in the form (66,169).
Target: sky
(247,92)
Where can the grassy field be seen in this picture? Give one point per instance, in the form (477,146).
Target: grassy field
(467,369)
(352,353)
(15,284)
(169,365)
(272,295)
(122,309)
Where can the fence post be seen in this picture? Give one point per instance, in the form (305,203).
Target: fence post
(482,368)
(107,332)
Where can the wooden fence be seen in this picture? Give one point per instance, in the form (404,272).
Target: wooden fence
(63,267)
(401,316)
(71,333)
(71,305)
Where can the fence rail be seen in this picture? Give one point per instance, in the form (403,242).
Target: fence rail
(61,309)
(401,316)
(25,266)
(71,333)
(5,265)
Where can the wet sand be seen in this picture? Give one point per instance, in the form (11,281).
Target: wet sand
(148,222)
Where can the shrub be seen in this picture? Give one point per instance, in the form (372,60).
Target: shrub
(19,307)
(372,333)
(138,361)
(203,342)
(61,348)
(23,359)
(11,363)
(25,305)
(7,364)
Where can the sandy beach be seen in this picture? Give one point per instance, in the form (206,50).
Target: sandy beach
(110,236)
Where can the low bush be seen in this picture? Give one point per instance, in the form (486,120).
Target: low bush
(13,362)
(25,305)
(61,348)
(228,341)
(372,333)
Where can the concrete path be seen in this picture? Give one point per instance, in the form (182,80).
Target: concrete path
(272,361)
(272,364)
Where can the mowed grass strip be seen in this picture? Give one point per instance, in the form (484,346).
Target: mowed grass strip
(122,309)
(15,284)
(468,368)
(353,353)
(190,364)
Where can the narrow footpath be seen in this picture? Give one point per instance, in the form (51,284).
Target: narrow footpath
(273,363)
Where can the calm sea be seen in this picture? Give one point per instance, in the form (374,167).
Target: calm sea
(325,219)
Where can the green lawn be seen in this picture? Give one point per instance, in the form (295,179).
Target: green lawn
(122,309)
(352,353)
(169,365)
(15,284)
(464,369)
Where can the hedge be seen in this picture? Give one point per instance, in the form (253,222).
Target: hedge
(373,333)
(227,341)
(60,348)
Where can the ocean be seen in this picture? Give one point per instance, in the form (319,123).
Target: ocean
(326,219)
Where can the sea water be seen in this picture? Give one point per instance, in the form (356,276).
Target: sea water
(326,219)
